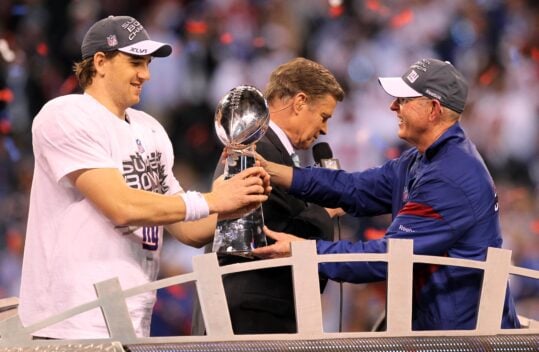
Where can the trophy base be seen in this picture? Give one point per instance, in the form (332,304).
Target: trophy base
(238,237)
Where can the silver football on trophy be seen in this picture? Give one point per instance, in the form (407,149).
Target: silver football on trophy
(241,117)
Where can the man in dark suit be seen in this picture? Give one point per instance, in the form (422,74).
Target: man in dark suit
(301,95)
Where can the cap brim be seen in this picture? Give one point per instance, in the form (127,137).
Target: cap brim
(396,87)
(148,47)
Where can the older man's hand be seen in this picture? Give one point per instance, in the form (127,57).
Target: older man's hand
(281,247)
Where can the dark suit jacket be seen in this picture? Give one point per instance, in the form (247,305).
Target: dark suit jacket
(262,301)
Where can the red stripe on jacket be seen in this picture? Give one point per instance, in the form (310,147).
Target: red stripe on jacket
(419,209)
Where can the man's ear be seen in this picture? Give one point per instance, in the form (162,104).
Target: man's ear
(300,100)
(99,63)
(436,109)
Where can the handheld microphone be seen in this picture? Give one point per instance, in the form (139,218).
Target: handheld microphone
(323,156)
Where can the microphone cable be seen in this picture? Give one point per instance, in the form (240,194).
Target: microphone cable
(341,295)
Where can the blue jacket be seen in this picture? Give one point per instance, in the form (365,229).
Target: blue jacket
(444,199)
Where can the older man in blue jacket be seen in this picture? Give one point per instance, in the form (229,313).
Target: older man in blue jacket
(439,192)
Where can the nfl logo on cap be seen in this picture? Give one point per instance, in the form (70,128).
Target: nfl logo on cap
(111,40)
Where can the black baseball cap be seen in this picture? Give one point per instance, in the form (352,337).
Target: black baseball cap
(432,78)
(123,33)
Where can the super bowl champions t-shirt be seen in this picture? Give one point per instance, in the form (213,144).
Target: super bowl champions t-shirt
(70,244)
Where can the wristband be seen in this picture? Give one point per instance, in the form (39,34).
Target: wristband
(196,206)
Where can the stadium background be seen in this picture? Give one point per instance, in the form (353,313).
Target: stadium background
(219,44)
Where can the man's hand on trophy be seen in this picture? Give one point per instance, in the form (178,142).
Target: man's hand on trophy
(239,194)
(281,247)
(280,174)
(251,151)
(258,172)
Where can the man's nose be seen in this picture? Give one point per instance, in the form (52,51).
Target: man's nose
(395,106)
(324,129)
(144,73)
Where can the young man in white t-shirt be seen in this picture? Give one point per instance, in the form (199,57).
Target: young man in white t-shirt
(103,188)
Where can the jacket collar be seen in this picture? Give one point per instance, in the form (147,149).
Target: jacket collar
(453,132)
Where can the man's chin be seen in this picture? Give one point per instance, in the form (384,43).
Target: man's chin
(401,134)
(135,101)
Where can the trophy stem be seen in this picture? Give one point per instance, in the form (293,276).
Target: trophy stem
(239,160)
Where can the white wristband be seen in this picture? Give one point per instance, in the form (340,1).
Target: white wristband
(196,206)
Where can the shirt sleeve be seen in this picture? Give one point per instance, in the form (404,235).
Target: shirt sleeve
(67,142)
(365,193)
(436,215)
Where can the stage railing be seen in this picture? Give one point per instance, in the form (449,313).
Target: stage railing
(207,276)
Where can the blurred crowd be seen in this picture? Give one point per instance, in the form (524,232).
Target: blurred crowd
(219,44)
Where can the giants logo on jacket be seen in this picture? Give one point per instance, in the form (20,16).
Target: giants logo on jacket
(405,194)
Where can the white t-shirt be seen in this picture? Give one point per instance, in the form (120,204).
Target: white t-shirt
(70,244)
